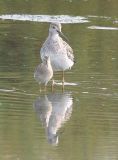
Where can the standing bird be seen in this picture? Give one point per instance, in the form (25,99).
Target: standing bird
(43,73)
(60,52)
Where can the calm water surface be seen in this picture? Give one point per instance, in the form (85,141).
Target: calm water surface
(80,123)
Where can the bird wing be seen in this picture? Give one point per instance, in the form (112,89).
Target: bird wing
(69,51)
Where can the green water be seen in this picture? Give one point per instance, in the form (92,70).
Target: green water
(85,116)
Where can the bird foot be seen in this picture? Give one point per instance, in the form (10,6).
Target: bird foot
(52,86)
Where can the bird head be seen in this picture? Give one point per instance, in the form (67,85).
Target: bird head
(46,60)
(55,28)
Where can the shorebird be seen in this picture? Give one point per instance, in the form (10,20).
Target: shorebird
(43,73)
(60,52)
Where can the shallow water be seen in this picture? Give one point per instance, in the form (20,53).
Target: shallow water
(80,122)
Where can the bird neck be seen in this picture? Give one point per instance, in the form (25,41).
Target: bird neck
(48,63)
(53,35)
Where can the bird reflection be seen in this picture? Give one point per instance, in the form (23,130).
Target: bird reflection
(53,110)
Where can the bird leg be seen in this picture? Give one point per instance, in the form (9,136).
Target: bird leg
(62,77)
(40,88)
(62,81)
(45,88)
(52,85)
(62,88)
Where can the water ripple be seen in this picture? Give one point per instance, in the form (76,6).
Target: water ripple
(45,18)
(65,83)
(103,28)
(16,91)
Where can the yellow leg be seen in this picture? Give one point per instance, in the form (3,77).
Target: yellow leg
(40,87)
(45,88)
(62,81)
(63,88)
(52,85)
(63,77)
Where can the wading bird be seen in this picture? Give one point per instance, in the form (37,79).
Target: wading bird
(60,52)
